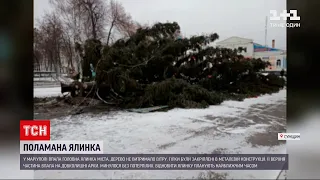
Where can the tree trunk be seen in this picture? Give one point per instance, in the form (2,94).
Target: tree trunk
(71,55)
(109,34)
(94,32)
(79,66)
(79,89)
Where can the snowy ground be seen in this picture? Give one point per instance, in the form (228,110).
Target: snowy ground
(42,84)
(246,127)
(46,92)
(43,79)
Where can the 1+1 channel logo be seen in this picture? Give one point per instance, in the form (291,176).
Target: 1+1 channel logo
(292,15)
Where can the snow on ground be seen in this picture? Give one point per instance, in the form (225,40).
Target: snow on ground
(218,129)
(46,92)
(49,88)
(43,79)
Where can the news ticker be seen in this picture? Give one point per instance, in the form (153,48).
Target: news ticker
(153,161)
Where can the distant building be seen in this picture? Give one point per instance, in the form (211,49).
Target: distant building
(236,42)
(276,57)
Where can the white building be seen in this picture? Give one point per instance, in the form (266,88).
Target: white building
(276,57)
(236,42)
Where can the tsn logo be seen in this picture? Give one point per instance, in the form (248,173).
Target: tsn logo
(38,130)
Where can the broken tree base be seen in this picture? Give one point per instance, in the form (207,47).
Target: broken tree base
(78,89)
(150,109)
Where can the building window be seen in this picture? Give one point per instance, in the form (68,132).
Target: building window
(278,63)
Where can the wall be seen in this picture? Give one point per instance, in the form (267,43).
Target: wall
(234,43)
(285,62)
(249,47)
(273,57)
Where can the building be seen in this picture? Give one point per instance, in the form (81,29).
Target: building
(276,57)
(236,42)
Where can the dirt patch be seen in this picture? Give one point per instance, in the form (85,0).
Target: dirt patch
(263,107)
(165,146)
(279,111)
(275,116)
(208,131)
(263,139)
(258,119)
(37,100)
(257,114)
(49,108)
(267,138)
(196,120)
(259,106)
(210,117)
(219,151)
(230,122)
(272,115)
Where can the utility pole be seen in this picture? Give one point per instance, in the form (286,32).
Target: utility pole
(265,32)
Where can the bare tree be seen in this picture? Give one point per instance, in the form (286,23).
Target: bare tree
(82,19)
(95,16)
(128,28)
(72,17)
(68,49)
(37,56)
(119,19)
(48,41)
(74,21)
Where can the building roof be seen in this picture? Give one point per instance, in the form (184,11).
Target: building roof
(239,40)
(258,48)
(230,39)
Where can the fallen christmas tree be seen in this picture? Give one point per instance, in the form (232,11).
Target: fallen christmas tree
(153,68)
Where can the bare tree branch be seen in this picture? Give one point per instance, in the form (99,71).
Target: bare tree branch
(120,20)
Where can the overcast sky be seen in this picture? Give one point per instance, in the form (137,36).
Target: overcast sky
(245,18)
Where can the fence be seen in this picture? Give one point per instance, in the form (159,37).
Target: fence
(46,78)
